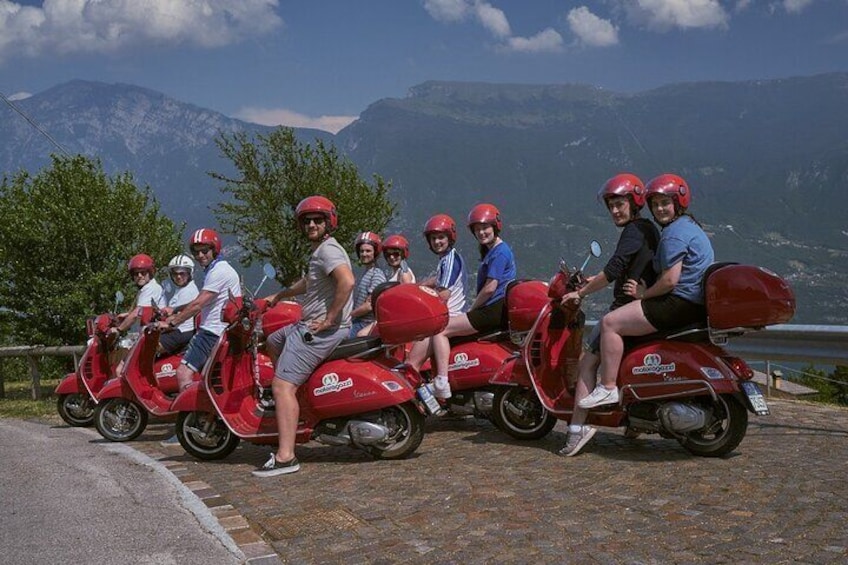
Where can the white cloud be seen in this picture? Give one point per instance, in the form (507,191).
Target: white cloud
(742,5)
(796,6)
(494,20)
(283,117)
(684,14)
(547,40)
(447,10)
(65,26)
(590,29)
(19,96)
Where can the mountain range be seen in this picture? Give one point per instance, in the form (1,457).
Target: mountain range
(767,162)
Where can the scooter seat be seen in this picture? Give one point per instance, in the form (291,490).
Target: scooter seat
(356,346)
(697,332)
(497,335)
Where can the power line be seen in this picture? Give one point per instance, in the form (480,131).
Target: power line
(31,122)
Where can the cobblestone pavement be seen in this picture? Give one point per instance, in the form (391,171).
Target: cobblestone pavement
(471,495)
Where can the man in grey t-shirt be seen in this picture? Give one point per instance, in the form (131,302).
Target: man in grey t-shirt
(325,321)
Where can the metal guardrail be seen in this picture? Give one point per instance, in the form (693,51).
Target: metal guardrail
(822,344)
(827,345)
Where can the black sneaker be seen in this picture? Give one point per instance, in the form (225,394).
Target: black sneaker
(272,467)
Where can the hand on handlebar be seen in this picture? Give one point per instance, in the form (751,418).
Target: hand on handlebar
(571,298)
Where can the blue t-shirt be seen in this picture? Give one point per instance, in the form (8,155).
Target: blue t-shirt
(684,240)
(498,264)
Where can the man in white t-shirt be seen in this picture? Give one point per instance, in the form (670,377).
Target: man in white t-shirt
(141,269)
(178,292)
(221,280)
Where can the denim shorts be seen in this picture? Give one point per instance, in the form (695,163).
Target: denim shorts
(174,341)
(199,348)
(298,358)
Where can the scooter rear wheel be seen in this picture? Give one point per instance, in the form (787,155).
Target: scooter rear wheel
(406,425)
(724,434)
(76,409)
(119,419)
(518,413)
(216,443)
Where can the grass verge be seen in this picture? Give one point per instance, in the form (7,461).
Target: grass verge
(19,403)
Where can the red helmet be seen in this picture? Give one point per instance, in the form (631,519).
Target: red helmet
(318,205)
(141,262)
(440,223)
(206,236)
(624,184)
(397,242)
(670,185)
(485,214)
(368,237)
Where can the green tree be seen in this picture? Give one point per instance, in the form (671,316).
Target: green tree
(274,173)
(65,237)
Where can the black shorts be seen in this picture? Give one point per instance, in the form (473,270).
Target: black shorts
(488,318)
(174,342)
(668,311)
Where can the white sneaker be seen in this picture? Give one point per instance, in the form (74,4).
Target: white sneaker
(441,387)
(599,397)
(574,442)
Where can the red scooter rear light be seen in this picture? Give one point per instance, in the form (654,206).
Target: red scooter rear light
(739,367)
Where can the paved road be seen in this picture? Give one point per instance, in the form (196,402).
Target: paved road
(472,496)
(67,497)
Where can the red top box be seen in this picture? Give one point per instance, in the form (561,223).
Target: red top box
(408,312)
(745,296)
(524,301)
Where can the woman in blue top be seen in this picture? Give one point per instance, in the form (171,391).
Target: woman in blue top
(497,269)
(677,297)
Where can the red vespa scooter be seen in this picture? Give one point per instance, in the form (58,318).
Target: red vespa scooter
(681,384)
(146,386)
(77,391)
(360,396)
(477,359)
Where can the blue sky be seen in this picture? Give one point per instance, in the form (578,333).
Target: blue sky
(319,63)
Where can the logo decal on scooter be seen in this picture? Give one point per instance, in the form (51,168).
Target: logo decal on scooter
(712,373)
(429,290)
(461,361)
(391,386)
(167,370)
(332,383)
(653,365)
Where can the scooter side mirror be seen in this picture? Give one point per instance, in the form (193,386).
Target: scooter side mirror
(270,272)
(594,251)
(595,248)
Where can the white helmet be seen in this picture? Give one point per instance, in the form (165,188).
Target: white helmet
(181,262)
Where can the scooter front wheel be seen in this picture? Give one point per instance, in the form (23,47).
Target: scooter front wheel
(723,434)
(119,419)
(205,436)
(406,430)
(76,409)
(518,413)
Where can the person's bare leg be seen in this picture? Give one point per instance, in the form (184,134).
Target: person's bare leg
(288,412)
(588,375)
(184,376)
(419,353)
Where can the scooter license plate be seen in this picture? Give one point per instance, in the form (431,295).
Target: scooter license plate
(756,398)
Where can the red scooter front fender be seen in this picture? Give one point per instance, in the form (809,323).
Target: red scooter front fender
(70,384)
(193,399)
(115,388)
